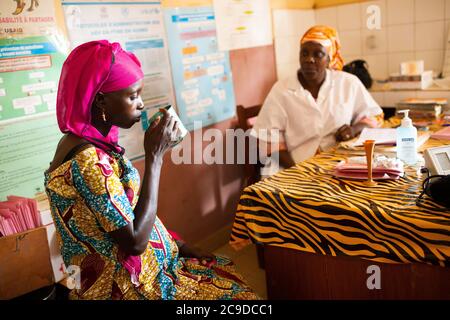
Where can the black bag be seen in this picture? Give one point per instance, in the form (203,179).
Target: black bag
(438,188)
(360,69)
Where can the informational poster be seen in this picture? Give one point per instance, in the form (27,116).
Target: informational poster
(201,73)
(29,73)
(32,49)
(26,148)
(243,24)
(138,26)
(27,17)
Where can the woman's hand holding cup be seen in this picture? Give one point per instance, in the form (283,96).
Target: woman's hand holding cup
(160,135)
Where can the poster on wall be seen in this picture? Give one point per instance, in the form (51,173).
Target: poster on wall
(26,148)
(32,50)
(201,73)
(139,27)
(243,24)
(20,18)
(33,47)
(29,74)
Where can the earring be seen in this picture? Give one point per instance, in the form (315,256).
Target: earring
(103,116)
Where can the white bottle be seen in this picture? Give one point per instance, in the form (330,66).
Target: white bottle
(407,140)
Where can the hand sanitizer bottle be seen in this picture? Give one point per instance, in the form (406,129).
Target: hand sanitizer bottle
(407,140)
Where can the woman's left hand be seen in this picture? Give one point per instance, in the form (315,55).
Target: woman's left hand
(344,133)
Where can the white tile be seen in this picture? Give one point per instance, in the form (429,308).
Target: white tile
(400,38)
(433,60)
(429,10)
(374,41)
(366,17)
(350,42)
(306,19)
(286,70)
(391,98)
(348,16)
(293,49)
(279,18)
(447,9)
(292,22)
(429,35)
(394,60)
(400,11)
(350,58)
(446,32)
(327,16)
(377,66)
(378,96)
(287,49)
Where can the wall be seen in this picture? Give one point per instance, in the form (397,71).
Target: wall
(275,4)
(253,74)
(288,27)
(329,3)
(410,29)
(292,4)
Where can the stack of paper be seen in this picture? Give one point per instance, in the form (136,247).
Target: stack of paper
(17,215)
(385,136)
(356,168)
(443,134)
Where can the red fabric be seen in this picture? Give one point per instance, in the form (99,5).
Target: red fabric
(175,235)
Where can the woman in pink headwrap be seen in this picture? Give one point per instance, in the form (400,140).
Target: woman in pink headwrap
(318,106)
(104,228)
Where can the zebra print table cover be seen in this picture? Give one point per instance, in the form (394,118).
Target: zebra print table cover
(305,208)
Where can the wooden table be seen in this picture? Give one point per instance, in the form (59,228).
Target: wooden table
(321,233)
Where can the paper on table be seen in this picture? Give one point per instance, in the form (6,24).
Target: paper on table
(380,135)
(356,168)
(422,137)
(364,175)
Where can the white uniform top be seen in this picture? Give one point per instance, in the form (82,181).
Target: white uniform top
(307,124)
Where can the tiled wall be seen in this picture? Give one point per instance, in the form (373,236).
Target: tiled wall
(288,27)
(410,29)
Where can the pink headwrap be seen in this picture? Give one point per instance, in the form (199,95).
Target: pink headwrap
(96,66)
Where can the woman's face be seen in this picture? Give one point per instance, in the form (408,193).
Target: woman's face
(123,108)
(313,60)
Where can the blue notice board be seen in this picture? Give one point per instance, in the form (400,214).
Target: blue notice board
(201,74)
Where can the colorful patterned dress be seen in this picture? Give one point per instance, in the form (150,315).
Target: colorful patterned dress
(95,193)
